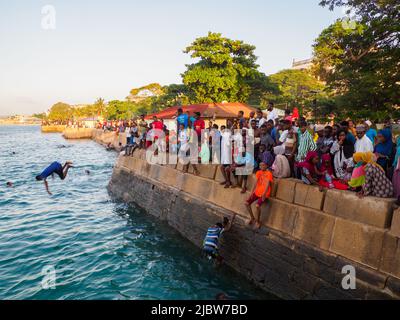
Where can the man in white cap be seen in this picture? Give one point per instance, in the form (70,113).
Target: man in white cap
(370,132)
(363,143)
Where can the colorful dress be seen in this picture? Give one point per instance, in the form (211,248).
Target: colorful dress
(376,183)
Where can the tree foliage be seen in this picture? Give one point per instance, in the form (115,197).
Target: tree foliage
(295,86)
(360,58)
(223,69)
(60,112)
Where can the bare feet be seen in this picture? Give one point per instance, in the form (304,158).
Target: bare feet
(257,225)
(249,221)
(227,185)
(244,189)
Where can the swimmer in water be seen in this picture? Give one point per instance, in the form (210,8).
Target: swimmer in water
(10,184)
(87,172)
(57,168)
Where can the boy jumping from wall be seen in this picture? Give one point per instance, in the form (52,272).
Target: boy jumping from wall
(260,193)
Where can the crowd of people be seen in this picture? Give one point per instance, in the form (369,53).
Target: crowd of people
(344,155)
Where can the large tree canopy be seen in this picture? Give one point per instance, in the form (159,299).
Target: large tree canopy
(360,58)
(223,70)
(60,112)
(295,86)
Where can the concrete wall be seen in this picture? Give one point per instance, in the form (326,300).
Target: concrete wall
(306,238)
(106,137)
(55,128)
(78,133)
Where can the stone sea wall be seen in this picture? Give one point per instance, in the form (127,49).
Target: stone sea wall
(53,128)
(78,133)
(306,239)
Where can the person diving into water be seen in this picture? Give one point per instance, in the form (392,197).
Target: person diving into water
(57,168)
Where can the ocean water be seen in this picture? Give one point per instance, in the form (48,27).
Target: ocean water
(78,244)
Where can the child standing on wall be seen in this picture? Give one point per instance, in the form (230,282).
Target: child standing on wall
(260,193)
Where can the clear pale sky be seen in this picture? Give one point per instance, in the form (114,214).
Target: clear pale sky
(105,48)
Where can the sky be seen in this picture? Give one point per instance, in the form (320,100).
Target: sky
(104,49)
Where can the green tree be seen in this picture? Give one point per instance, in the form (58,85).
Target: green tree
(223,69)
(40,115)
(359,57)
(124,110)
(296,87)
(61,112)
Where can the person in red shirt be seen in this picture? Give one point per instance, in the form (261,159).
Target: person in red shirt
(157,124)
(198,125)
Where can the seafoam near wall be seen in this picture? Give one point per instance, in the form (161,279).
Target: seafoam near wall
(306,239)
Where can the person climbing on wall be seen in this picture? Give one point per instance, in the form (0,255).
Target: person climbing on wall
(210,243)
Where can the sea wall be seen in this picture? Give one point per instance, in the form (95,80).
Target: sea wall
(306,239)
(78,133)
(53,128)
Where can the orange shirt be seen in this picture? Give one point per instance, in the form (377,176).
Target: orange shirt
(262,179)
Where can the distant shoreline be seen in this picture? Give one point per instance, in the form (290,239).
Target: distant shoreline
(18,124)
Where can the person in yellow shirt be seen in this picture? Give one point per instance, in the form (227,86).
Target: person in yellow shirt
(260,193)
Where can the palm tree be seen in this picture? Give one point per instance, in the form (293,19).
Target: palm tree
(100,106)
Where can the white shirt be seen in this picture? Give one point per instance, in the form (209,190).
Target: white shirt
(226,148)
(272,115)
(364,145)
(283,136)
(261,122)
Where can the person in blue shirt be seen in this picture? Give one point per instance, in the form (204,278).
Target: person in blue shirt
(54,168)
(371,133)
(211,240)
(243,161)
(182,119)
(192,119)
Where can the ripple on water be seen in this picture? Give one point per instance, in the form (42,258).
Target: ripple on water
(99,249)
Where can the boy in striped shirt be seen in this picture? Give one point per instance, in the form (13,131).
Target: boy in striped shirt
(210,243)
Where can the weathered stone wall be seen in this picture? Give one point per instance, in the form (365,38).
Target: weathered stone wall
(306,238)
(53,128)
(78,133)
(106,137)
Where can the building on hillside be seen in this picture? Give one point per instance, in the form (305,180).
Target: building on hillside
(218,113)
(302,64)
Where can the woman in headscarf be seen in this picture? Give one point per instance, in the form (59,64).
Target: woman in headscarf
(308,168)
(383,150)
(361,159)
(342,150)
(326,171)
(376,183)
(280,167)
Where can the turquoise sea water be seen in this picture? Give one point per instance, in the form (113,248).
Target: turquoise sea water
(99,249)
